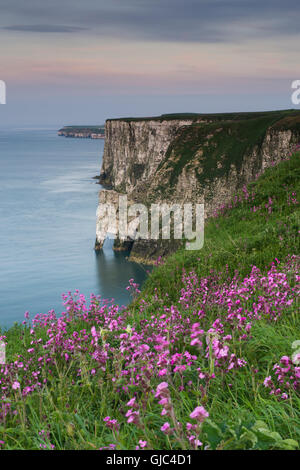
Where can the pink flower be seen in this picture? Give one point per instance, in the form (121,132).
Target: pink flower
(195,442)
(143,443)
(162,386)
(16,385)
(133,417)
(131,402)
(111,423)
(199,413)
(163,401)
(161,389)
(166,428)
(268,381)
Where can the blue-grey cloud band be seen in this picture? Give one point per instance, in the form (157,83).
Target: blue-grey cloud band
(161,20)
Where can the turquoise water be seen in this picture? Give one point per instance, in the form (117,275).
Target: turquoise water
(48,201)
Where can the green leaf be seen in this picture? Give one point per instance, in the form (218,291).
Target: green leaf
(248,436)
(287,444)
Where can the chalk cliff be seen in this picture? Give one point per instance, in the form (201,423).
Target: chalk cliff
(189,158)
(134,149)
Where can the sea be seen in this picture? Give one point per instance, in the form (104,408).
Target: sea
(48,202)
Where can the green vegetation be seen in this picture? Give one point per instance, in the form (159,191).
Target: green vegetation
(216,146)
(84,131)
(97,367)
(241,237)
(208,116)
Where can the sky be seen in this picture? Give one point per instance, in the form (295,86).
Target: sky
(80,62)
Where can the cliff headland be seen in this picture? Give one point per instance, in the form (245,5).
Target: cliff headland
(199,158)
(83,132)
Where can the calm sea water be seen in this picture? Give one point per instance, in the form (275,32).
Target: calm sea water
(48,203)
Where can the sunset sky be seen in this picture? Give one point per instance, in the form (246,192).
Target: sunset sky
(80,62)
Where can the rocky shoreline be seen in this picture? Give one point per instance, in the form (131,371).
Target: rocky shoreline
(83,132)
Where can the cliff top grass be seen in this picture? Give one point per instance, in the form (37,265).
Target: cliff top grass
(215,147)
(288,122)
(201,359)
(207,116)
(83,128)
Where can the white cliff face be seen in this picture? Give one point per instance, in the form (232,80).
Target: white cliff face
(277,145)
(133,150)
(108,220)
(218,187)
(105,220)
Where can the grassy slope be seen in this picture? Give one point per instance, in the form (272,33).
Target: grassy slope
(239,239)
(242,238)
(210,116)
(222,143)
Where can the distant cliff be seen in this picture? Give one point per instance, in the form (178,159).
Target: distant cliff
(190,158)
(84,132)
